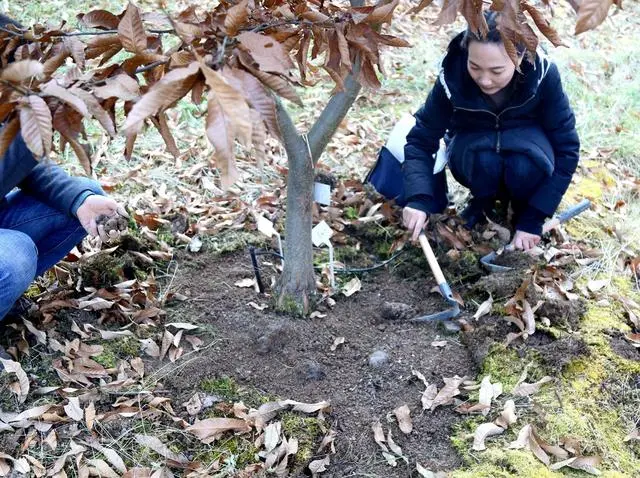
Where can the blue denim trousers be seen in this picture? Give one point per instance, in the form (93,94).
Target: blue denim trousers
(33,237)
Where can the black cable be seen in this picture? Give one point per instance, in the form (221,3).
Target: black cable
(261,252)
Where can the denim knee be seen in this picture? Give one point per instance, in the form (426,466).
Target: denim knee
(18,261)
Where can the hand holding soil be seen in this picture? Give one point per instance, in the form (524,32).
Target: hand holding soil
(110,227)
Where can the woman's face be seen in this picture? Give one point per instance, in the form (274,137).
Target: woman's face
(490,66)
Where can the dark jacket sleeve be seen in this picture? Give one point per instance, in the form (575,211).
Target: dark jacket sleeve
(559,124)
(423,189)
(44,180)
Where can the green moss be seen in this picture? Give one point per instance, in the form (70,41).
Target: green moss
(230,241)
(224,387)
(114,350)
(236,452)
(504,365)
(499,463)
(351,213)
(102,270)
(307,430)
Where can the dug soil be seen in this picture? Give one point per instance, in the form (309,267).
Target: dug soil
(293,359)
(359,354)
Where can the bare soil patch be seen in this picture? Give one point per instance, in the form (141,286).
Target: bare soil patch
(290,358)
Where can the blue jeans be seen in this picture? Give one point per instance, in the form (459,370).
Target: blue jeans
(33,238)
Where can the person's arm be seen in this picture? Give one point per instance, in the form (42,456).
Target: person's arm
(43,180)
(559,124)
(424,190)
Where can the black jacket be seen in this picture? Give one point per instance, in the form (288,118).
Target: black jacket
(538,108)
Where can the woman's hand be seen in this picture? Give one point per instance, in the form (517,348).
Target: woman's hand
(525,241)
(414,220)
(100,215)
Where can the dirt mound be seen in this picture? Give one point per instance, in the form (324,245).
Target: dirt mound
(365,378)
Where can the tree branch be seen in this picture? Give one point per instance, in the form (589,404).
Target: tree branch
(333,113)
(290,136)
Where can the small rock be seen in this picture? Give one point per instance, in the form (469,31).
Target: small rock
(451,326)
(209,401)
(397,311)
(314,371)
(382,327)
(378,358)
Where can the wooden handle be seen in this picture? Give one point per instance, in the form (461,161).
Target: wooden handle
(431,259)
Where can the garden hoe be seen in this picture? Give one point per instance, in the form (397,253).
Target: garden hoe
(442,284)
(564,216)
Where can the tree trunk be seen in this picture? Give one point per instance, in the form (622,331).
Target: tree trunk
(297,283)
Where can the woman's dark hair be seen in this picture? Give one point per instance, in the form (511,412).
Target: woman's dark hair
(492,36)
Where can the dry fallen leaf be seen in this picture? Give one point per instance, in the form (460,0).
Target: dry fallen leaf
(483,432)
(73,410)
(446,393)
(403,414)
(336,342)
(595,285)
(508,416)
(318,466)
(633,435)
(485,394)
(23,381)
(155,444)
(525,389)
(245,283)
(211,429)
(351,287)
(194,405)
(484,308)
(584,463)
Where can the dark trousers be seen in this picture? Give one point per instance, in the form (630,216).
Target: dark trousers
(505,175)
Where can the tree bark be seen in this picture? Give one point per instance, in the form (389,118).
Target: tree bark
(297,283)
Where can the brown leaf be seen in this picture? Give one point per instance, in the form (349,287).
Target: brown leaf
(20,71)
(508,416)
(543,25)
(421,6)
(160,122)
(36,125)
(588,464)
(232,102)
(267,52)
(449,236)
(120,86)
(256,96)
(100,19)
(7,135)
(535,447)
(96,110)
(155,444)
(403,414)
(220,134)
(591,13)
(483,432)
(76,48)
(73,410)
(446,393)
(173,86)
(131,31)
(276,83)
(53,89)
(23,381)
(211,429)
(236,17)
(528,317)
(448,12)
(525,389)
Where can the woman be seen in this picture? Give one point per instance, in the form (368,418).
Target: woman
(509,135)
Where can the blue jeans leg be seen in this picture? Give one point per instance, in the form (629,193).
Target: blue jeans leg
(53,233)
(18,262)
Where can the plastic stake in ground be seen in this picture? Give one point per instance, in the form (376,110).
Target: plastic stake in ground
(442,284)
(564,216)
(320,236)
